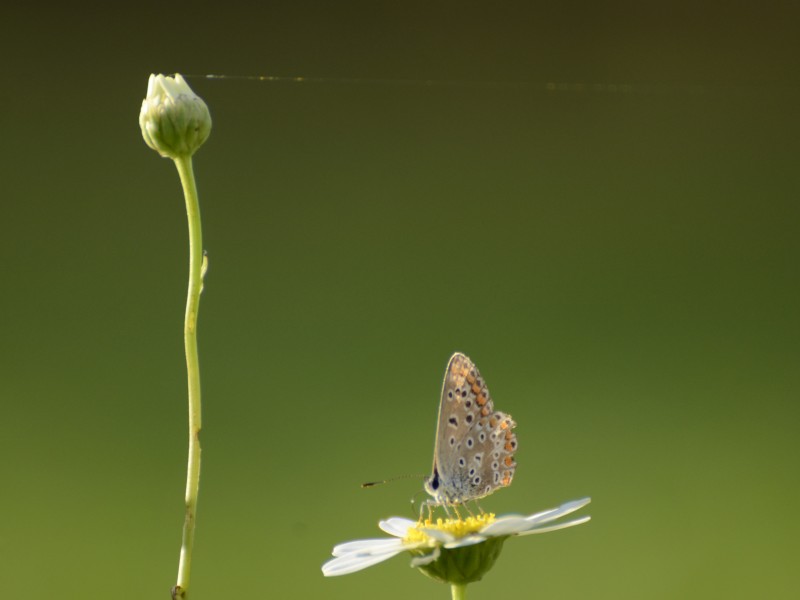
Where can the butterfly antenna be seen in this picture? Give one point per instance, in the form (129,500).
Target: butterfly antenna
(370,484)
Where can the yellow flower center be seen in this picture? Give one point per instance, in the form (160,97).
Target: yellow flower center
(456,527)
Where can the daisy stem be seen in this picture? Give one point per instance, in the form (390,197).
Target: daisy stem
(196,271)
(459,591)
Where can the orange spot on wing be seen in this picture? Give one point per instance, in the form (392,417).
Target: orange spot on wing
(481,399)
(507,480)
(458,372)
(509,435)
(509,461)
(509,447)
(492,422)
(485,412)
(504,425)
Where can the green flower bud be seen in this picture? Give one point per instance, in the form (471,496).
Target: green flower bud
(465,564)
(174,120)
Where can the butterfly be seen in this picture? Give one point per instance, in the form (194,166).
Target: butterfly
(474,451)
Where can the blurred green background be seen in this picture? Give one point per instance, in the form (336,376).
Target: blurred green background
(621,265)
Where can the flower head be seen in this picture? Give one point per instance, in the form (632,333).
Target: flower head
(457,551)
(174,120)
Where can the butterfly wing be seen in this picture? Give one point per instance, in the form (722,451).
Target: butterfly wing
(475,445)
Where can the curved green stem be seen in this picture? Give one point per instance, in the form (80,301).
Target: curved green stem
(196,271)
(459,591)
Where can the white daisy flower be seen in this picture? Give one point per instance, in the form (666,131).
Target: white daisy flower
(174,120)
(456,551)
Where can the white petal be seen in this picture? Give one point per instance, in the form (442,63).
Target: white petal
(151,85)
(469,540)
(556,513)
(536,517)
(396,526)
(172,87)
(505,526)
(376,546)
(439,535)
(352,562)
(419,561)
(555,527)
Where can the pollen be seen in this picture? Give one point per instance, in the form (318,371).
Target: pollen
(456,527)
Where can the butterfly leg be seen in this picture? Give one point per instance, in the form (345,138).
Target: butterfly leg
(415,500)
(446,510)
(479,507)
(466,506)
(429,504)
